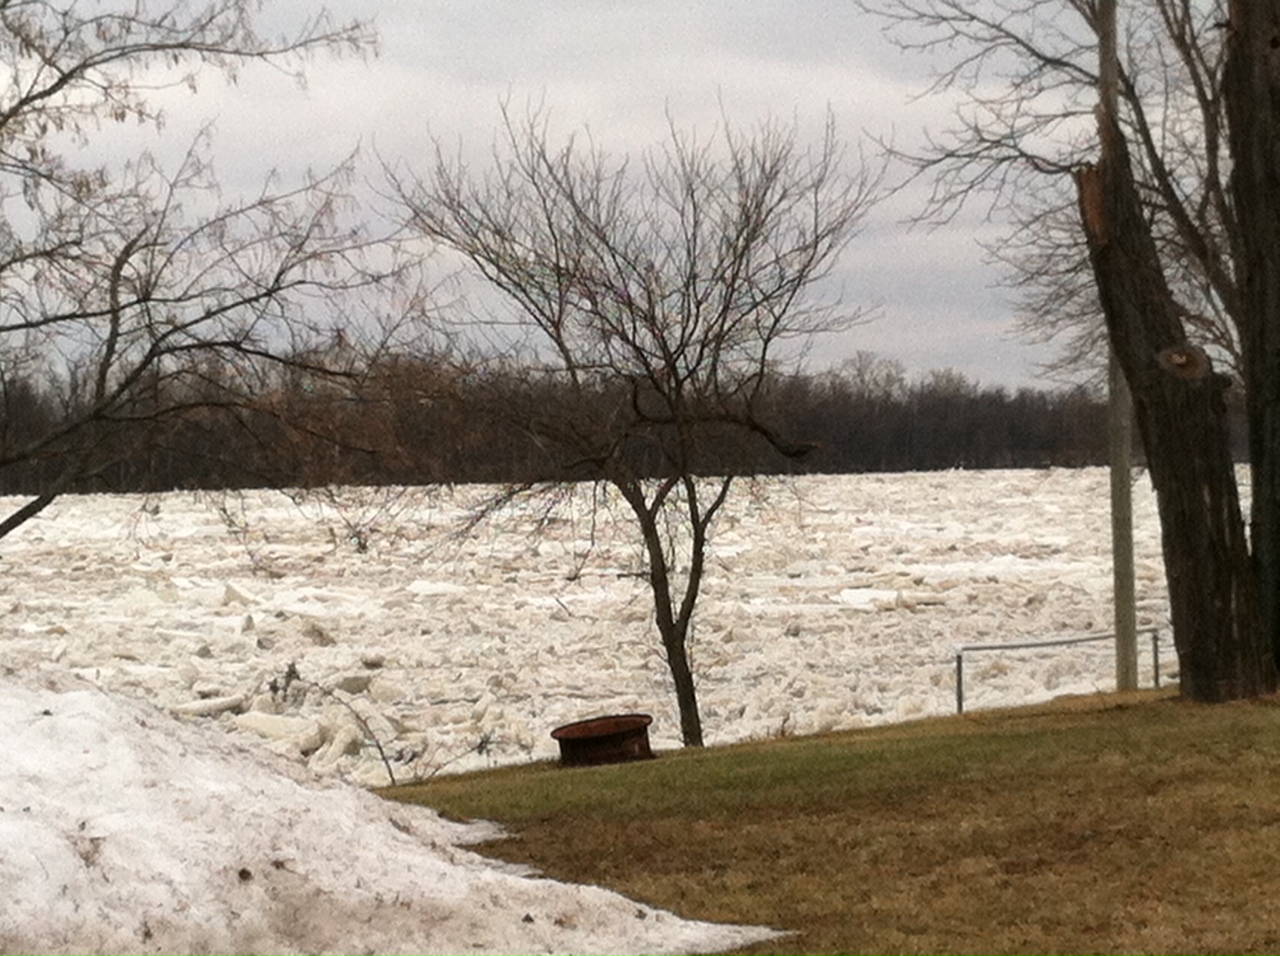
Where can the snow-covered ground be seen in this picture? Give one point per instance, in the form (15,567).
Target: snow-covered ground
(123,831)
(831,602)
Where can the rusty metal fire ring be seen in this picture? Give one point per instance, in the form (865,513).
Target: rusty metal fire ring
(617,738)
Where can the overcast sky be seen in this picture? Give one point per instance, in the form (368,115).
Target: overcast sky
(618,67)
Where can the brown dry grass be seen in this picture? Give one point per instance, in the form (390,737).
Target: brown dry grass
(1138,824)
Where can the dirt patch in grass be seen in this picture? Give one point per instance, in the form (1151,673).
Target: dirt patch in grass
(1110,824)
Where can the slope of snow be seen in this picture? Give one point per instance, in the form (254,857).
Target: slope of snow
(125,831)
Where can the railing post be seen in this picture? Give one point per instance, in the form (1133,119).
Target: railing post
(960,681)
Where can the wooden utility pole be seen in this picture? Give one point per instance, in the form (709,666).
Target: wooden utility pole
(1120,445)
(1120,408)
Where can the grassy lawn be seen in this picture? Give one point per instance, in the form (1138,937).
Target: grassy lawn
(1111,824)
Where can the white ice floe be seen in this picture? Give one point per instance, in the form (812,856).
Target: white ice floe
(869,599)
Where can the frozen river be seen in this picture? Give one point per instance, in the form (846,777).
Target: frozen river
(830,603)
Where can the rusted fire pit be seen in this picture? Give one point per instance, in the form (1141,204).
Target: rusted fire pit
(614,739)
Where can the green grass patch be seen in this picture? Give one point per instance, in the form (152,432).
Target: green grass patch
(1136,823)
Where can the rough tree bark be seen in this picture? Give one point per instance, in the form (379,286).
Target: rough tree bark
(1178,398)
(1251,89)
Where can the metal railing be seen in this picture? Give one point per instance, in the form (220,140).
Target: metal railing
(1059,642)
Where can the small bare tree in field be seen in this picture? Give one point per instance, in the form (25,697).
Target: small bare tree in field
(657,295)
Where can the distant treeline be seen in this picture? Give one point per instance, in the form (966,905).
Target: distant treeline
(419,421)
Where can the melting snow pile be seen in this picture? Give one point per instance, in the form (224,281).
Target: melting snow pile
(124,831)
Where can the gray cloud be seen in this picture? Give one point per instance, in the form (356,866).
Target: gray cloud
(618,68)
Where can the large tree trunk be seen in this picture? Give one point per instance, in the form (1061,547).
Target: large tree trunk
(1252,93)
(1222,650)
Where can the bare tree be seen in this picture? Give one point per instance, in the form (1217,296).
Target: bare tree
(1024,75)
(1169,174)
(121,285)
(657,296)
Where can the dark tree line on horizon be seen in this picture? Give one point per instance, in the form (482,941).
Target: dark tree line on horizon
(420,421)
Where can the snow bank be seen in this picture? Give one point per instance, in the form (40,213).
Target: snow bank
(124,830)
